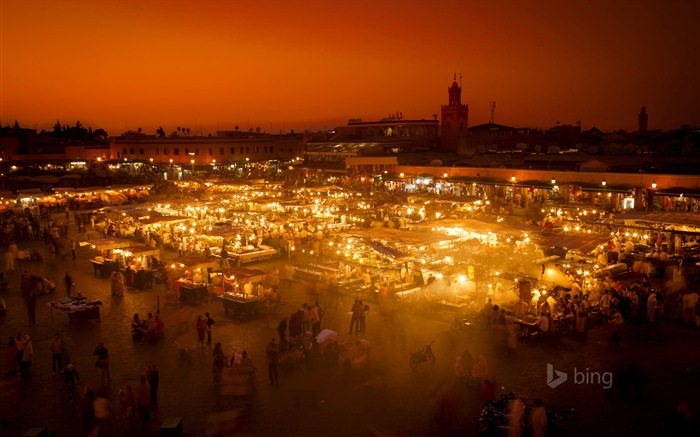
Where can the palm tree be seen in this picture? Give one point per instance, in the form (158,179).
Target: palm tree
(188,132)
(236,128)
(178,130)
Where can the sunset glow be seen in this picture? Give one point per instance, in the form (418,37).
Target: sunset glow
(281,65)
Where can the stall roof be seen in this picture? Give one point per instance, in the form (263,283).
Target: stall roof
(476,225)
(583,242)
(193,262)
(223,231)
(661,217)
(410,238)
(109,243)
(243,274)
(152,220)
(141,250)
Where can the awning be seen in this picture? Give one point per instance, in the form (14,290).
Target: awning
(678,192)
(583,242)
(140,251)
(386,250)
(193,262)
(242,275)
(108,243)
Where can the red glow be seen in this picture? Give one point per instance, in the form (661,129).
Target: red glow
(309,64)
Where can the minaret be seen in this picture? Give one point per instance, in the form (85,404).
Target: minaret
(454,121)
(643,119)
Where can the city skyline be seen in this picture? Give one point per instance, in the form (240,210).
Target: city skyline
(313,65)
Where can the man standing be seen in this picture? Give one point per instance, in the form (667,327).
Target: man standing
(616,322)
(152,376)
(282,330)
(56,353)
(69,282)
(70,377)
(102,361)
(272,355)
(28,293)
(209,322)
(355,318)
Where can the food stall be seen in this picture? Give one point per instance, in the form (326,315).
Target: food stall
(106,262)
(250,253)
(240,289)
(190,277)
(141,265)
(77,308)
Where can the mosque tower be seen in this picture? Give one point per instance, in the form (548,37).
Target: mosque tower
(643,119)
(454,120)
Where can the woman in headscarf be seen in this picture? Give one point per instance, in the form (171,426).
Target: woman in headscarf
(120,284)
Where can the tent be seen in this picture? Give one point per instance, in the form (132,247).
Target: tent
(193,262)
(108,243)
(242,275)
(140,250)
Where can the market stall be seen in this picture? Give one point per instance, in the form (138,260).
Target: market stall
(141,265)
(77,308)
(106,262)
(190,277)
(242,292)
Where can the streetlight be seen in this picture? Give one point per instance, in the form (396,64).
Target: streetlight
(604,183)
(653,184)
(192,162)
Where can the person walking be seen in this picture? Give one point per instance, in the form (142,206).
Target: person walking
(101,407)
(57,348)
(69,283)
(26,363)
(152,375)
(615,326)
(219,361)
(29,297)
(102,361)
(363,316)
(127,402)
(272,368)
(355,317)
(201,327)
(314,320)
(282,330)
(73,246)
(209,322)
(143,400)
(224,258)
(70,378)
(11,363)
(87,409)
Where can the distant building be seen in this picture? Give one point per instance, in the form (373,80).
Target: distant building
(226,147)
(387,137)
(27,145)
(497,137)
(643,120)
(454,121)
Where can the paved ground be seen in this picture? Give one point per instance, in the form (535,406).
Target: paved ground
(649,377)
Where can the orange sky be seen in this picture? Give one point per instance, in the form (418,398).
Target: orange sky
(214,64)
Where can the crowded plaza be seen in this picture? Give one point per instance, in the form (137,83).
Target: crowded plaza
(311,293)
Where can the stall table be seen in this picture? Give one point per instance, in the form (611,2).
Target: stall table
(77,309)
(241,307)
(104,267)
(192,293)
(143,279)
